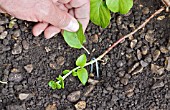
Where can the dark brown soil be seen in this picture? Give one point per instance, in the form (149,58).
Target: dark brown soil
(117,89)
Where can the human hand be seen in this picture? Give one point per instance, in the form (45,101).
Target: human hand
(52,15)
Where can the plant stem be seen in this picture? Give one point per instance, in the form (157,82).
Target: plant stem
(117,42)
(85,49)
(3,82)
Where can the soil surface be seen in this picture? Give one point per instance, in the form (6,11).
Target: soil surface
(133,76)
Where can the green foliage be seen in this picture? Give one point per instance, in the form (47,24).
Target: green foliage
(99,13)
(75,39)
(82,75)
(54,85)
(66,72)
(81,61)
(99,10)
(121,6)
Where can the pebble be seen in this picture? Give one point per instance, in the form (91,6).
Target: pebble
(16,77)
(129,88)
(51,107)
(133,67)
(139,54)
(60,60)
(129,94)
(17,49)
(95,38)
(156,54)
(16,34)
(25,44)
(89,89)
(14,70)
(133,43)
(124,81)
(2,28)
(28,68)
(158,85)
(143,63)
(23,96)
(163,49)
(145,11)
(167,63)
(137,70)
(157,69)
(120,63)
(149,37)
(74,96)
(144,50)
(121,73)
(119,20)
(92,81)
(161,17)
(80,105)
(3,35)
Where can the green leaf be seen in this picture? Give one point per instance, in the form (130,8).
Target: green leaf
(75,39)
(66,72)
(61,81)
(99,13)
(81,61)
(58,85)
(74,73)
(52,84)
(82,75)
(122,6)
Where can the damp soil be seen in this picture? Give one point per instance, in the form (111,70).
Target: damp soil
(133,76)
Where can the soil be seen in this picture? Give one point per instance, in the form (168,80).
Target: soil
(27,63)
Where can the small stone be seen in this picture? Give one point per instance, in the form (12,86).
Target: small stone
(80,105)
(51,107)
(92,81)
(143,63)
(74,96)
(25,44)
(133,67)
(129,94)
(157,69)
(149,37)
(95,38)
(156,55)
(16,34)
(124,81)
(167,95)
(28,68)
(161,17)
(14,70)
(139,54)
(137,70)
(2,28)
(17,49)
(3,35)
(121,73)
(133,43)
(167,63)
(144,50)
(88,90)
(47,49)
(53,65)
(131,37)
(120,63)
(148,58)
(145,10)
(60,60)
(164,49)
(119,20)
(158,85)
(129,88)
(23,96)
(15,77)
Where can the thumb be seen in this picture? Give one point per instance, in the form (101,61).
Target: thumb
(62,20)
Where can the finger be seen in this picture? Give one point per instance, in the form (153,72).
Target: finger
(62,7)
(68,6)
(78,3)
(84,23)
(83,9)
(71,12)
(39,28)
(64,1)
(51,31)
(2,11)
(62,20)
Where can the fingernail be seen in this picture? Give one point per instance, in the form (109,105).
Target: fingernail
(53,34)
(39,32)
(73,26)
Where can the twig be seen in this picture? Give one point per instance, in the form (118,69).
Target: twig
(117,42)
